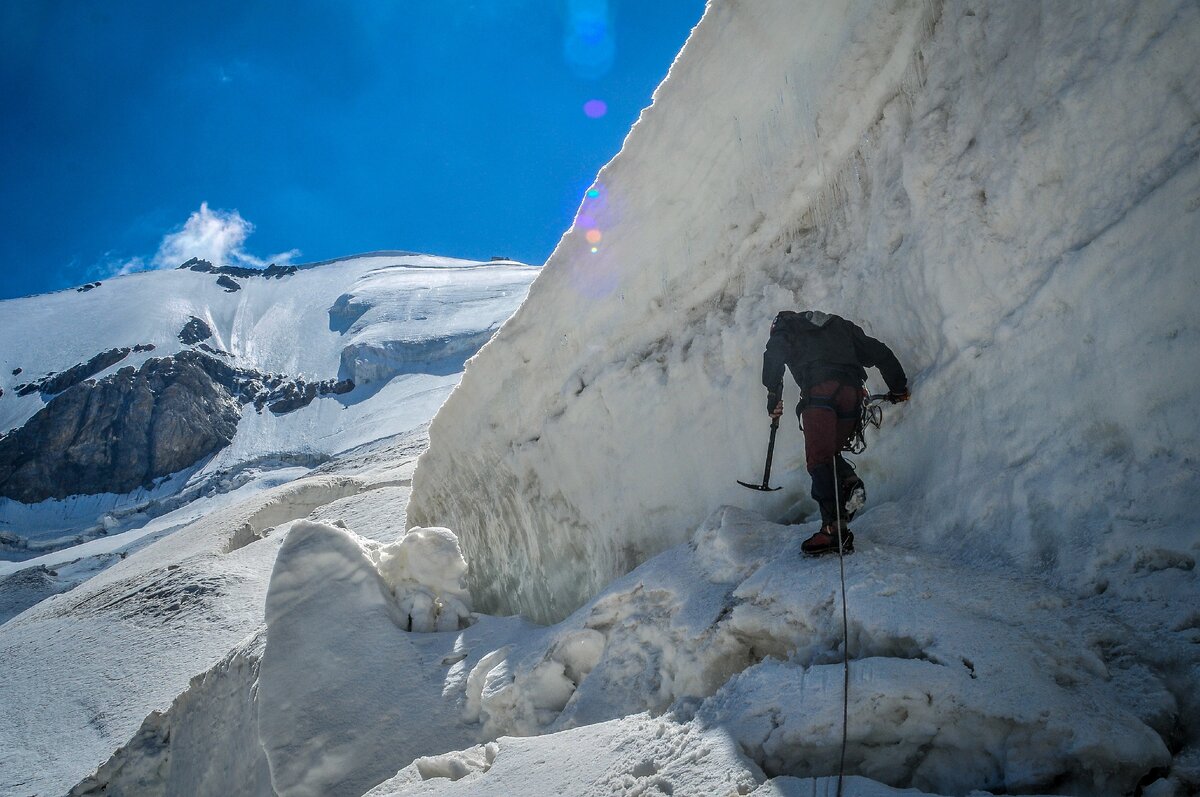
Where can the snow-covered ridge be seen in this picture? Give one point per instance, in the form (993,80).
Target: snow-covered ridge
(273,326)
(417,319)
(1005,193)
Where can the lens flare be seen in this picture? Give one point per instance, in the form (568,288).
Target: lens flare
(589,46)
(586,220)
(595,108)
(593,236)
(595,249)
(593,193)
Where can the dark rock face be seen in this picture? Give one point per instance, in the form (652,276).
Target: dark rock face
(124,431)
(293,396)
(132,427)
(197,264)
(270,272)
(211,350)
(90,286)
(194,331)
(57,383)
(16,371)
(338,387)
(230,285)
(290,396)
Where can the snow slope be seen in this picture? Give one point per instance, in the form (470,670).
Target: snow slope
(85,668)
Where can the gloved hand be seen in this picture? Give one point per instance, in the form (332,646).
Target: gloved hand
(897,396)
(774,405)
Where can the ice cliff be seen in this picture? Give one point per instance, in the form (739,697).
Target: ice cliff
(1006,193)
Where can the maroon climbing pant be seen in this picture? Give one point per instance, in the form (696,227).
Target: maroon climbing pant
(829,417)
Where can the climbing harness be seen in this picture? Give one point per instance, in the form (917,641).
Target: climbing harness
(870,414)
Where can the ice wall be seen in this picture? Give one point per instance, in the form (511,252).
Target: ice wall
(1005,193)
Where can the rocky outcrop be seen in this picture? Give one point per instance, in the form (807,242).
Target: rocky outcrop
(124,431)
(57,383)
(229,284)
(194,331)
(270,272)
(293,395)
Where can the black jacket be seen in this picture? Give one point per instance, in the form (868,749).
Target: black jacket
(817,347)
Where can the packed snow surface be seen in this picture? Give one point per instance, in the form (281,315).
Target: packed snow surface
(733,641)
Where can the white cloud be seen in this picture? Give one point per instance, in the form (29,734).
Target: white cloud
(218,236)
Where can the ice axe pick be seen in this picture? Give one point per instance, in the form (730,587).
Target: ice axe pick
(767,470)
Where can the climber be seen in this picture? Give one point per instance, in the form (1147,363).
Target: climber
(827,356)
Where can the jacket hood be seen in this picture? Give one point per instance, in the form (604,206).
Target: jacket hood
(816,318)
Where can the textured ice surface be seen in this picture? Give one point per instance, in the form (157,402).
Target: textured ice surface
(960,679)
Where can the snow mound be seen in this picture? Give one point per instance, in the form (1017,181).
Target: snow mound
(1006,196)
(959,679)
(205,745)
(86,668)
(340,674)
(427,573)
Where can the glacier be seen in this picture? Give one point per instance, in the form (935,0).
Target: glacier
(563,590)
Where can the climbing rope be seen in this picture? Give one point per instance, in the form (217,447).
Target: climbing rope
(837,499)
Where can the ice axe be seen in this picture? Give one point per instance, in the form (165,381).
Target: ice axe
(767,470)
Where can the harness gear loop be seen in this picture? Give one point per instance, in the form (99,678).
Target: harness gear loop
(870,414)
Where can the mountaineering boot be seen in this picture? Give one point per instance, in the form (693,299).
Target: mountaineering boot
(826,541)
(856,496)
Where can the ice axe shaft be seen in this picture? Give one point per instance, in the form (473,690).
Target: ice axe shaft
(767,469)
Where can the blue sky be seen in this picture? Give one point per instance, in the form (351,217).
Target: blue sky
(134,131)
